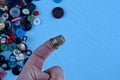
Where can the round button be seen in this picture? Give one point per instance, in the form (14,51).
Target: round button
(5,15)
(27,26)
(2,26)
(16,51)
(5,65)
(17,23)
(25,11)
(20,32)
(12,64)
(31,7)
(17,70)
(58,12)
(30,18)
(57,1)
(28,52)
(14,12)
(2,19)
(36,13)
(20,57)
(22,46)
(3,47)
(17,40)
(3,40)
(2,74)
(37,21)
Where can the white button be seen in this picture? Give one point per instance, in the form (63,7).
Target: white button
(37,21)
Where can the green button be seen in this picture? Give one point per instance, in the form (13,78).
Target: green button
(30,18)
(3,47)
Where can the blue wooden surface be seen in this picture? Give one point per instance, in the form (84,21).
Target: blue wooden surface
(92,32)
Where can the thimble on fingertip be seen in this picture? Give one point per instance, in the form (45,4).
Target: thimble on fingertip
(57,41)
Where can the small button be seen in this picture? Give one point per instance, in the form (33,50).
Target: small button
(30,18)
(28,52)
(12,46)
(20,57)
(58,12)
(21,3)
(37,21)
(11,36)
(36,13)
(14,12)
(25,11)
(24,38)
(57,1)
(16,51)
(17,40)
(3,47)
(27,26)
(2,19)
(20,32)
(28,1)
(3,40)
(5,16)
(22,46)
(17,70)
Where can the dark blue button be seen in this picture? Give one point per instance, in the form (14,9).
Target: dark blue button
(20,32)
(27,26)
(17,70)
(28,52)
(25,60)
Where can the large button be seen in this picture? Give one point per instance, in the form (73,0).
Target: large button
(58,12)
(17,70)
(5,65)
(27,26)
(20,32)
(14,12)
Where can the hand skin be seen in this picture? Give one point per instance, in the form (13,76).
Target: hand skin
(33,67)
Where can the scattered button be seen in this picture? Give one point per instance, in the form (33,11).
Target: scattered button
(2,74)
(17,70)
(22,46)
(28,52)
(58,12)
(37,21)
(36,13)
(27,26)
(14,12)
(20,32)
(3,47)
(2,58)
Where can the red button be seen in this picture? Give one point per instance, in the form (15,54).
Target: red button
(10,41)
(21,3)
(35,13)
(12,36)
(2,74)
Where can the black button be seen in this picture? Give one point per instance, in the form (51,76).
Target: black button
(58,12)
(17,70)
(28,52)
(27,26)
(28,1)
(17,40)
(5,65)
